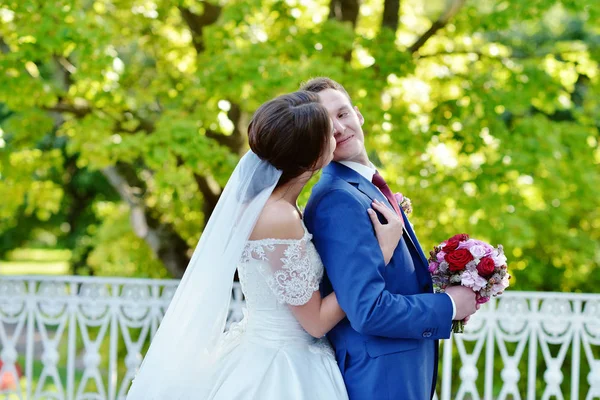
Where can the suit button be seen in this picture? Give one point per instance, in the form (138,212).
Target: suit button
(426,334)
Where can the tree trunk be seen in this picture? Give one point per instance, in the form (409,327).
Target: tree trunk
(344,10)
(391,14)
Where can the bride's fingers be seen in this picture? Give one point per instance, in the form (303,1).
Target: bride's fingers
(374,219)
(385,211)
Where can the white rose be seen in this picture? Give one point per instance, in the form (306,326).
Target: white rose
(499,260)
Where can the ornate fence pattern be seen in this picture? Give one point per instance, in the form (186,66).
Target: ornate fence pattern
(81,338)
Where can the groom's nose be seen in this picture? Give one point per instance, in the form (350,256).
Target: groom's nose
(338,127)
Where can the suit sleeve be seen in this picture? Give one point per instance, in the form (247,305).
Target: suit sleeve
(346,241)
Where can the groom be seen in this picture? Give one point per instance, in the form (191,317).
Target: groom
(387,347)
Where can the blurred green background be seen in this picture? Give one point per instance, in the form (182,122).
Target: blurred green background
(121,120)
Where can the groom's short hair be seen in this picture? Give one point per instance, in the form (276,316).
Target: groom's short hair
(319,84)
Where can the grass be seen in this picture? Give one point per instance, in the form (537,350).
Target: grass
(36,262)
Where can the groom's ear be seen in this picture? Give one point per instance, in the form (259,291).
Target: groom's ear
(361,119)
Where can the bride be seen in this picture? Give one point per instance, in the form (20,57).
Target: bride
(278,351)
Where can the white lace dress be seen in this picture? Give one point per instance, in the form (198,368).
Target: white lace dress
(268,355)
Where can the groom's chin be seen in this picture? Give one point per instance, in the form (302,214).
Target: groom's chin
(341,156)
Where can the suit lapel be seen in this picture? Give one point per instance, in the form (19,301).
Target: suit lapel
(371,191)
(356,180)
(411,234)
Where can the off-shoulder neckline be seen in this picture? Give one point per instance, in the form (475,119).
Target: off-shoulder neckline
(305,236)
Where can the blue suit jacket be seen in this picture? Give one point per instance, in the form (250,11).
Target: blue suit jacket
(387,346)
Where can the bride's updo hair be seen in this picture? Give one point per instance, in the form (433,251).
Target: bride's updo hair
(291,132)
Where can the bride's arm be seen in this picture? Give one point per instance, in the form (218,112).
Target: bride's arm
(319,315)
(316,314)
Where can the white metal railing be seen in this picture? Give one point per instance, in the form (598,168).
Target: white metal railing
(81,338)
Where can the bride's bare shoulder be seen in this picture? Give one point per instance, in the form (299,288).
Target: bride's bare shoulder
(278,220)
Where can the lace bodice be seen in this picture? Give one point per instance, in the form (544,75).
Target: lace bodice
(277,272)
(274,274)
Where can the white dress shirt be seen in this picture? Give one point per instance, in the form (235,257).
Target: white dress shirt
(367,172)
(364,170)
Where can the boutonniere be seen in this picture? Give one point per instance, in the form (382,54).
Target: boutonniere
(404,203)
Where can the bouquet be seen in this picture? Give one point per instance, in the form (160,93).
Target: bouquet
(471,263)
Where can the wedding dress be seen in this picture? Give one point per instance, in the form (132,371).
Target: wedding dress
(268,355)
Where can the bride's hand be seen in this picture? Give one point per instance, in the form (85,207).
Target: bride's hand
(388,235)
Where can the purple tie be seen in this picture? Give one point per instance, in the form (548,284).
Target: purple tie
(387,192)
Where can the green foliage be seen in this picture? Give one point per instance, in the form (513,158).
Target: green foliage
(116,250)
(491,127)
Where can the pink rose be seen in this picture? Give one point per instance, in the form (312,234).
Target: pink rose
(403,202)
(440,256)
(471,279)
(498,288)
(433,266)
(499,259)
(489,250)
(478,251)
(467,244)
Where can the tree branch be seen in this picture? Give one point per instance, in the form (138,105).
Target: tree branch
(210,189)
(127,194)
(145,124)
(237,140)
(391,14)
(448,14)
(162,239)
(4,49)
(78,111)
(64,69)
(197,23)
(81,111)
(513,55)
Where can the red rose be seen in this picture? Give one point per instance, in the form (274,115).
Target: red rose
(486,267)
(460,237)
(454,241)
(450,246)
(458,259)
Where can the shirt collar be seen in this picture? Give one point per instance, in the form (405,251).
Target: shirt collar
(366,171)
